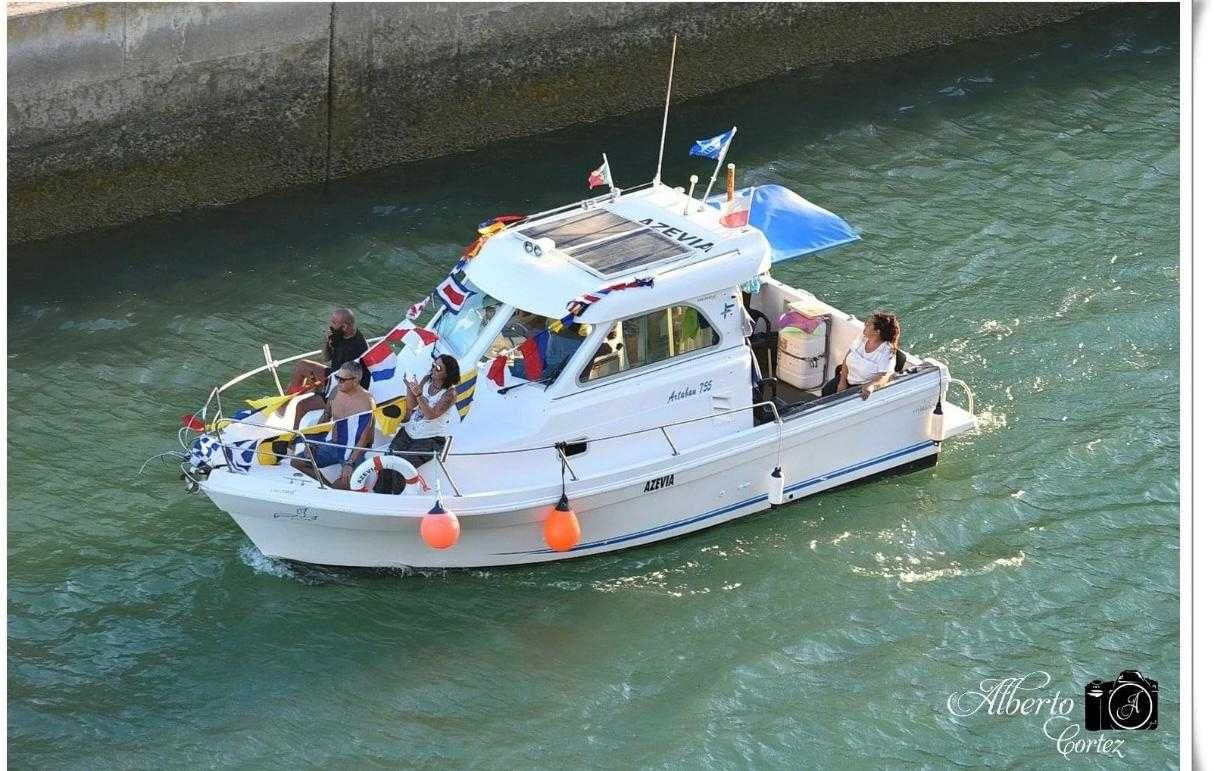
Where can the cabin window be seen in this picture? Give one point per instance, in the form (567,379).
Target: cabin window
(533,346)
(649,339)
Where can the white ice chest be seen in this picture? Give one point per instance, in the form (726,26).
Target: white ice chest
(802,359)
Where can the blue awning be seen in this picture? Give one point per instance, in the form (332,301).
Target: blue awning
(793,226)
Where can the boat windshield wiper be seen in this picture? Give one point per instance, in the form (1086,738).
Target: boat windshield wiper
(544,381)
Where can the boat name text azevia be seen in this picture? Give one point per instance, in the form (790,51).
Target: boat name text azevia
(682,236)
(659,483)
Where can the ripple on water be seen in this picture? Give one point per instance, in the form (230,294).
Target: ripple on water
(1017,199)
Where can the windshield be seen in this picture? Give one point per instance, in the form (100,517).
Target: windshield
(460,329)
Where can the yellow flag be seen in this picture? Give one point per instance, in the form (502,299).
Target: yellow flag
(272,402)
(388,416)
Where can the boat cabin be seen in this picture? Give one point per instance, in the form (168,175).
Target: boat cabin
(636,357)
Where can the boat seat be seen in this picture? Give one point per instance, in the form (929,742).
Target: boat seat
(765,343)
(607,364)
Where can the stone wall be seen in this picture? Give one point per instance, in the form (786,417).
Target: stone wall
(119,111)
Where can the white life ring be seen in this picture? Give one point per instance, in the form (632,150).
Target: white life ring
(367,474)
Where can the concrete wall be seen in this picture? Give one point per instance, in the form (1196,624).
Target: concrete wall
(118,111)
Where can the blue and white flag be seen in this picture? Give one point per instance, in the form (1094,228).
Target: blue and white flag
(346,432)
(712,148)
(206,451)
(341,437)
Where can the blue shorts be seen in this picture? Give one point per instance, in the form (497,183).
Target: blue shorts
(326,455)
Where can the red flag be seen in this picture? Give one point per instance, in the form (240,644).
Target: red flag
(598,177)
(497,370)
(737,211)
(533,355)
(416,309)
(193,422)
(377,353)
(452,293)
(426,336)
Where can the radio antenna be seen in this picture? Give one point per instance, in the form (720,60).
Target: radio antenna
(657,178)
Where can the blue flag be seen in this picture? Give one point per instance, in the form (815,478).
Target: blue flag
(712,148)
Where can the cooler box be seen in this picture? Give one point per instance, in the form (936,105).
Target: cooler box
(802,359)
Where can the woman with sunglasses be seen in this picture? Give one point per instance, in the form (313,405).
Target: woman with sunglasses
(431,412)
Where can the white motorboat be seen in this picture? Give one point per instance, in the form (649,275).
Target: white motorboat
(684,393)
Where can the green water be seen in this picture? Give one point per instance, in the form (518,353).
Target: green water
(1018,200)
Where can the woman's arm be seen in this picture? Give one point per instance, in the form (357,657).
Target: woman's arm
(878,382)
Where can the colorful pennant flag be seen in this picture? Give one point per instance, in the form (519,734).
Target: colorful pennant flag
(713,147)
(578,307)
(416,309)
(533,349)
(737,211)
(497,370)
(452,293)
(485,231)
(388,416)
(597,178)
(464,391)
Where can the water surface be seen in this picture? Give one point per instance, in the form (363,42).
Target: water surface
(1018,200)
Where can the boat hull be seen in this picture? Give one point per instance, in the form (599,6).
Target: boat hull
(673,496)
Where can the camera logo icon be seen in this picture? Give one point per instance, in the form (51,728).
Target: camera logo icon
(1128,703)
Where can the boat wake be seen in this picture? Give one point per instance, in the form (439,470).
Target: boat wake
(907,570)
(267,566)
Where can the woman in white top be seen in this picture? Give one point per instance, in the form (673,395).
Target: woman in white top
(870,360)
(430,407)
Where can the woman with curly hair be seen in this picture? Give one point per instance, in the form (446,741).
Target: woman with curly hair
(869,362)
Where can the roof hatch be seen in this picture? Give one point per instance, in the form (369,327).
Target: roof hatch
(605,243)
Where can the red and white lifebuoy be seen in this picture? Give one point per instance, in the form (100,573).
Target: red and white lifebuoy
(367,474)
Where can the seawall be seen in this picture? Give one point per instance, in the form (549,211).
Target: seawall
(120,111)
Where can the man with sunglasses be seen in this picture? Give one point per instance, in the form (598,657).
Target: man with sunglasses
(349,398)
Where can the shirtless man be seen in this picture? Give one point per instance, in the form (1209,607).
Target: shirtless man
(350,398)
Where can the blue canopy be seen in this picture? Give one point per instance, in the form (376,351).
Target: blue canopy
(793,226)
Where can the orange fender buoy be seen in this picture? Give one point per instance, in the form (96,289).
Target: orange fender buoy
(440,528)
(561,529)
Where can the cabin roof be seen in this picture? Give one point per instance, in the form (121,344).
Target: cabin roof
(551,260)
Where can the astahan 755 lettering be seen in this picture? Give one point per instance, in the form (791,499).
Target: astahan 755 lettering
(688,391)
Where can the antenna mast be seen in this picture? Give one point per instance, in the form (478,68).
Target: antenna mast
(657,178)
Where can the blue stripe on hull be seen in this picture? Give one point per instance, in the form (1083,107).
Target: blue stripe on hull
(735,506)
(856,467)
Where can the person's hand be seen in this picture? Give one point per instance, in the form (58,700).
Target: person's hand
(344,478)
(866,391)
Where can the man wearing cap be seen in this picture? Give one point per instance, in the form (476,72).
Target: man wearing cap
(349,398)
